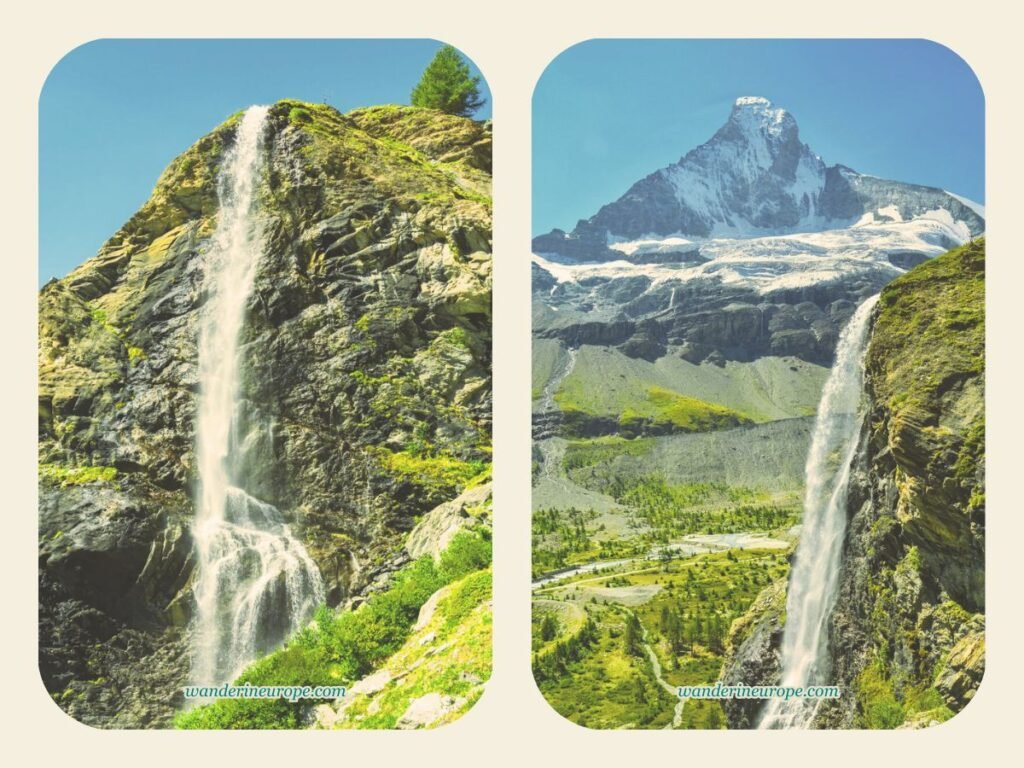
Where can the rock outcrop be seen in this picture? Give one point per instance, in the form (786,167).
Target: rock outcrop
(366,375)
(752,652)
(433,533)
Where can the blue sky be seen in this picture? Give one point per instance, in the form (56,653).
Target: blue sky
(114,113)
(608,112)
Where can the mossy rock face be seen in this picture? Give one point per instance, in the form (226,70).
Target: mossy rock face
(367,370)
(752,651)
(908,631)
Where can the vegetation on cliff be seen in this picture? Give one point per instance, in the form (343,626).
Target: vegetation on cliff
(907,633)
(366,376)
(921,531)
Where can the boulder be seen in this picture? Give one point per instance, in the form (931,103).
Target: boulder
(433,533)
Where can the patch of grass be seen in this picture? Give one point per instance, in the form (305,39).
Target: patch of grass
(691,414)
(586,453)
(436,473)
(876,700)
(465,597)
(83,475)
(299,116)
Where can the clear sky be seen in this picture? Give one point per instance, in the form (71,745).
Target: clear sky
(608,112)
(114,113)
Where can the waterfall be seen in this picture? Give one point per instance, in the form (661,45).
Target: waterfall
(256,583)
(672,299)
(815,576)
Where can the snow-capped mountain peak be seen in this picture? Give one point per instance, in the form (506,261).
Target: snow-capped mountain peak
(753,178)
(756,115)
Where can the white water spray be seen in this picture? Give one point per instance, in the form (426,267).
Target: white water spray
(814,579)
(256,583)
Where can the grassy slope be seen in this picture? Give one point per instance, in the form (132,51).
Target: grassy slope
(546,356)
(928,343)
(449,656)
(605,382)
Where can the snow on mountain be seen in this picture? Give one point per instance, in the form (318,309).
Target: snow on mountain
(978,208)
(776,262)
(753,175)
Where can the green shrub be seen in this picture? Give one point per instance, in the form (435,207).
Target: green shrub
(463,600)
(467,552)
(440,474)
(877,700)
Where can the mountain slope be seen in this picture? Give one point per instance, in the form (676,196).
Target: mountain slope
(366,375)
(749,248)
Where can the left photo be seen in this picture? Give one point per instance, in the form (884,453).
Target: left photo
(265,402)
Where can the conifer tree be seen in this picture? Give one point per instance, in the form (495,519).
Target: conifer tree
(447,85)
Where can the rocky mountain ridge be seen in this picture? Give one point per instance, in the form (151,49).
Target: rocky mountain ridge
(749,247)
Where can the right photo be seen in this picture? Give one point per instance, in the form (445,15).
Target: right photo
(758,385)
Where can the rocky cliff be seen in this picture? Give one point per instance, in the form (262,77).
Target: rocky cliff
(366,375)
(906,638)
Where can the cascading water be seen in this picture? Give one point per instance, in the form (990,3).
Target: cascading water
(256,583)
(815,575)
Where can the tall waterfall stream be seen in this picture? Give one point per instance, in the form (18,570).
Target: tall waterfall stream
(256,583)
(814,580)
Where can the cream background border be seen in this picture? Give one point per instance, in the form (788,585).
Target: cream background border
(512,724)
